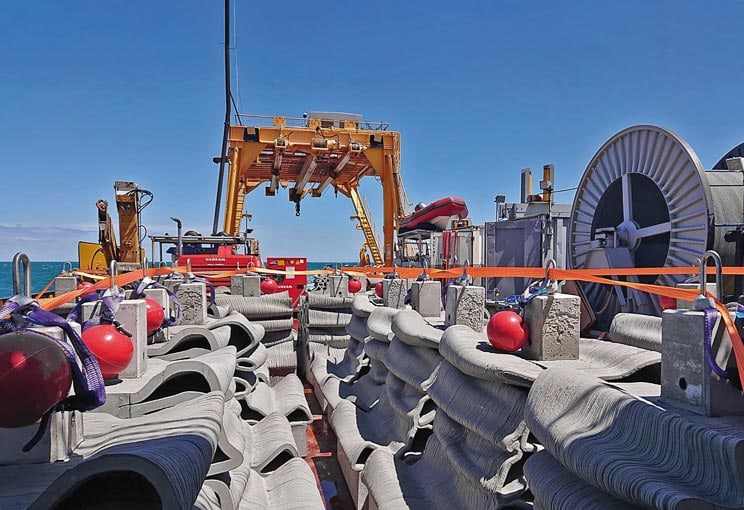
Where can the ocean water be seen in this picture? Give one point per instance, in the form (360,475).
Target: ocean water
(43,272)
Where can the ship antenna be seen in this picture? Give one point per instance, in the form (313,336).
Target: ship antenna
(226,128)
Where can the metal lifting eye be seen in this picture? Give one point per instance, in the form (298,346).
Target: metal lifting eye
(21,259)
(297,208)
(716,258)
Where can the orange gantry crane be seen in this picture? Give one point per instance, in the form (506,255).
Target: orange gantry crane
(310,154)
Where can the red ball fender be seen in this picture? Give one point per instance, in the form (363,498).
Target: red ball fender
(269,286)
(355,285)
(507,331)
(379,290)
(155,315)
(112,349)
(34,376)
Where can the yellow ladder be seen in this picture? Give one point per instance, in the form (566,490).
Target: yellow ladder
(365,225)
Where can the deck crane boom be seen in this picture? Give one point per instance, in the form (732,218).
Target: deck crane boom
(310,154)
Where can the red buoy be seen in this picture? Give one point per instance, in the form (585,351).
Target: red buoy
(269,285)
(506,331)
(667,303)
(155,315)
(34,376)
(378,290)
(112,349)
(355,285)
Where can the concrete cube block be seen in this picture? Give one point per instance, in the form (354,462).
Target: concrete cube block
(160,296)
(686,377)
(132,315)
(236,284)
(394,292)
(554,322)
(193,299)
(64,284)
(426,297)
(338,285)
(245,285)
(465,305)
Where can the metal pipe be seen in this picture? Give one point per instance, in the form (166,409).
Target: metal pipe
(226,129)
(18,259)
(179,241)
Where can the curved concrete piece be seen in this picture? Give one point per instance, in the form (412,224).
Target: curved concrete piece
(473,355)
(170,449)
(287,398)
(263,307)
(649,457)
(166,383)
(357,328)
(275,324)
(642,331)
(412,329)
(361,306)
(555,488)
(379,323)
(325,318)
(195,336)
(413,365)
(244,334)
(318,301)
(607,360)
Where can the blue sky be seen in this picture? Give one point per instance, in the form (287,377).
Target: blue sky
(92,92)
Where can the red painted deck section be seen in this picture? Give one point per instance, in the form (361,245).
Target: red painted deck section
(323,460)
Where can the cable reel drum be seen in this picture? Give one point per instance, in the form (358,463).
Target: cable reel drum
(646,201)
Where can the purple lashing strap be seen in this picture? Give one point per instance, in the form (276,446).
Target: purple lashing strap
(711,316)
(90,391)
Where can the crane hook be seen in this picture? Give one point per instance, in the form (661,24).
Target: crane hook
(297,208)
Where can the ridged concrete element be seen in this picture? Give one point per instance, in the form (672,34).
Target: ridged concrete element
(607,360)
(167,383)
(257,308)
(411,328)
(285,482)
(643,331)
(171,449)
(379,323)
(282,354)
(401,372)
(268,443)
(634,450)
(472,458)
(270,325)
(473,355)
(361,306)
(183,342)
(555,488)
(319,301)
(245,335)
(327,318)
(287,398)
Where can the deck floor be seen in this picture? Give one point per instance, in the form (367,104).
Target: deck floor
(323,460)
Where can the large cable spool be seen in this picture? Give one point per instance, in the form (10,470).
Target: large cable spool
(645,201)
